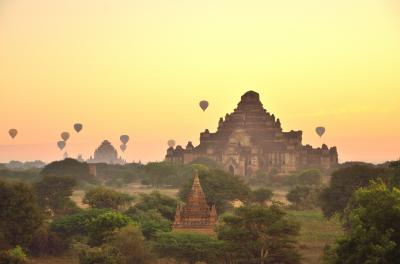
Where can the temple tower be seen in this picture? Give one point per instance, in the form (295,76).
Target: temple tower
(195,215)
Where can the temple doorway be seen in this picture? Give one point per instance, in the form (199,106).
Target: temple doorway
(232,170)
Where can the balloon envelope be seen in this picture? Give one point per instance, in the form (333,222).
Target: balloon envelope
(61,145)
(65,136)
(123,147)
(171,143)
(78,127)
(124,139)
(203,105)
(320,131)
(13,132)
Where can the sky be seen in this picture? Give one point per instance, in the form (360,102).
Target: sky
(141,67)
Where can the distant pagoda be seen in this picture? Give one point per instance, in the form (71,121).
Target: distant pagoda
(196,215)
(106,153)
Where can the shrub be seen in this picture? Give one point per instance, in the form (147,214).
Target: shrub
(13,256)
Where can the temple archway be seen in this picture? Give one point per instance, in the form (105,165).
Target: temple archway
(231,170)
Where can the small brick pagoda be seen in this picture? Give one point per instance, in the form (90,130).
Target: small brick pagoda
(196,215)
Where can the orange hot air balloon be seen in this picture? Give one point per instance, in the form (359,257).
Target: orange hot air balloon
(13,133)
(65,136)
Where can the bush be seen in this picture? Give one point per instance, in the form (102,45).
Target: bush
(303,197)
(97,224)
(20,215)
(13,256)
(261,195)
(151,222)
(45,242)
(102,197)
(132,245)
(103,255)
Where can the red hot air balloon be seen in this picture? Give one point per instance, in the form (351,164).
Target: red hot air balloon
(320,131)
(203,105)
(13,133)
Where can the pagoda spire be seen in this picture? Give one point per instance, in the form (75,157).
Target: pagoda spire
(196,215)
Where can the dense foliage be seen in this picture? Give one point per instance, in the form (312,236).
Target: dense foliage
(258,234)
(344,182)
(304,197)
(20,215)
(372,221)
(188,247)
(164,204)
(70,168)
(54,194)
(97,224)
(101,197)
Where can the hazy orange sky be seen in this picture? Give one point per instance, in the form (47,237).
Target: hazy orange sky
(141,67)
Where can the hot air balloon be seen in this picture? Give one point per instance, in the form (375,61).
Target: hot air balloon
(13,132)
(78,127)
(124,139)
(65,136)
(203,105)
(123,147)
(320,131)
(61,144)
(66,155)
(171,143)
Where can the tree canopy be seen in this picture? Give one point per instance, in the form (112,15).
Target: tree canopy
(20,215)
(344,182)
(259,234)
(189,247)
(101,197)
(372,221)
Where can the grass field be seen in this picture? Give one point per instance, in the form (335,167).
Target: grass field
(316,232)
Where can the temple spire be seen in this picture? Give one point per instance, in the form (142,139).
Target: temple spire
(196,215)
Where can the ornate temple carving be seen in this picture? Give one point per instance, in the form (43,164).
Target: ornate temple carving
(251,139)
(195,215)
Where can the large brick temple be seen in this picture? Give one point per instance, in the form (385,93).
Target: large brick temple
(195,215)
(251,139)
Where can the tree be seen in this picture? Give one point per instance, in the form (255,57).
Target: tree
(20,215)
(303,197)
(344,182)
(100,255)
(259,234)
(97,224)
(164,204)
(54,194)
(13,256)
(68,168)
(131,244)
(311,177)
(372,221)
(189,247)
(166,173)
(220,188)
(102,197)
(151,222)
(261,195)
